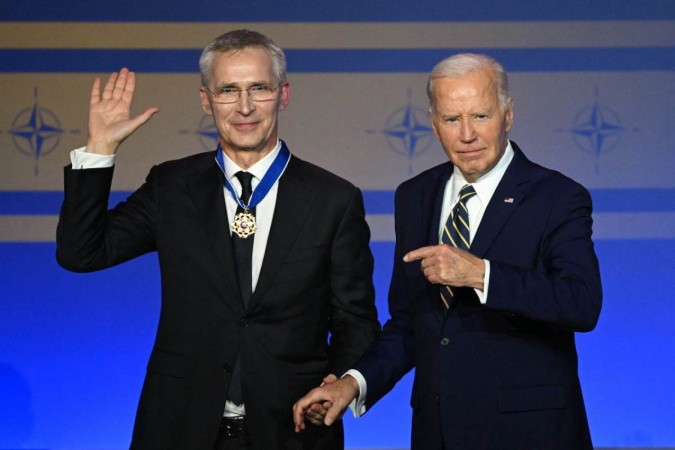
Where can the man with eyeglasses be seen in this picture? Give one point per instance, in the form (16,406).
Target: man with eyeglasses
(265,261)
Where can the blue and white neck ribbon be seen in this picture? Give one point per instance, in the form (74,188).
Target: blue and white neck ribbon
(262,189)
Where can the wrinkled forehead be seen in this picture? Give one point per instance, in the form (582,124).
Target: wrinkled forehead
(475,87)
(243,65)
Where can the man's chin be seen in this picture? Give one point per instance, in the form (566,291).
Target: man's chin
(246,147)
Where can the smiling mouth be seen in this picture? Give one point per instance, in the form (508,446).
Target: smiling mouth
(245,126)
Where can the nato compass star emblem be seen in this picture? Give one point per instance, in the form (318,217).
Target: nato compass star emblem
(596,130)
(208,135)
(36,131)
(407,131)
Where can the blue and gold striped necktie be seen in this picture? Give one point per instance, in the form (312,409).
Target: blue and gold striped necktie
(457,232)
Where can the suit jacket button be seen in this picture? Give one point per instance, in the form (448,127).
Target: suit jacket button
(445,341)
(227,368)
(243,322)
(437,400)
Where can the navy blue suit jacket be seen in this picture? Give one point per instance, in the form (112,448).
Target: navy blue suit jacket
(501,375)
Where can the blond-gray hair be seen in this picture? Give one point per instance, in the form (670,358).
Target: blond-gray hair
(239,40)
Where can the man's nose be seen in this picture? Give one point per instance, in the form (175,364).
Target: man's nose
(467,131)
(244,104)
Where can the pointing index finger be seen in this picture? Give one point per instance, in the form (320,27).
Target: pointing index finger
(420,253)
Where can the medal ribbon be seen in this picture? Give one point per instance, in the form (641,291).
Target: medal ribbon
(271,176)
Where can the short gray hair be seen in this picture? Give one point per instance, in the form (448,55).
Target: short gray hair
(462,64)
(240,40)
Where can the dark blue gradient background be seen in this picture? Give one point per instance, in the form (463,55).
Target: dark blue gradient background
(73,350)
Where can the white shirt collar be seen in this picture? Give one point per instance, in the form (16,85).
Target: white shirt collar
(486,185)
(258,170)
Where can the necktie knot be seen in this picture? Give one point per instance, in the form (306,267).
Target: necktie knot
(245,180)
(466,193)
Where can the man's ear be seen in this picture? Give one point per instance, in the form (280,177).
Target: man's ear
(284,96)
(509,116)
(207,107)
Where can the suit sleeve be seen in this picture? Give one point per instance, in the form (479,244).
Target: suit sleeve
(562,287)
(353,317)
(393,354)
(90,237)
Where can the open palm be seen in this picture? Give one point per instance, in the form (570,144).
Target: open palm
(110,120)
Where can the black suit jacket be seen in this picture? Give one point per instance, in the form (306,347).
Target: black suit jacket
(315,281)
(501,375)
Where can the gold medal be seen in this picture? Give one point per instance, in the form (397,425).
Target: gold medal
(244,225)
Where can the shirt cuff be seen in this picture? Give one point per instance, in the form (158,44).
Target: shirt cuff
(80,159)
(358,405)
(482,295)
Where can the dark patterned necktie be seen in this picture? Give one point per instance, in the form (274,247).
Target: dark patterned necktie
(243,247)
(457,232)
(243,257)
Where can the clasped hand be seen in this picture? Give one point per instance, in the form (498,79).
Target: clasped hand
(327,403)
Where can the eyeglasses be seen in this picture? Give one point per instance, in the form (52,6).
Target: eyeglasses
(256,93)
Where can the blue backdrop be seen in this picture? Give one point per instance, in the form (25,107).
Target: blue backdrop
(594,85)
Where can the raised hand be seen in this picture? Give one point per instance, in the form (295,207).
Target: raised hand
(110,120)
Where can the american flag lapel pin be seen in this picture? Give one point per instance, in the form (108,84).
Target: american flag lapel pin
(508,200)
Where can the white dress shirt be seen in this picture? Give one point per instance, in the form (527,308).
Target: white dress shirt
(485,188)
(264,211)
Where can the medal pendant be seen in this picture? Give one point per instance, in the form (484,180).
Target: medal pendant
(244,225)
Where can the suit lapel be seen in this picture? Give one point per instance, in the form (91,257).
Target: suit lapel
(436,198)
(206,190)
(432,201)
(510,192)
(293,203)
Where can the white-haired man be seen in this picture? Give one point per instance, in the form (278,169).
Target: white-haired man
(494,272)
